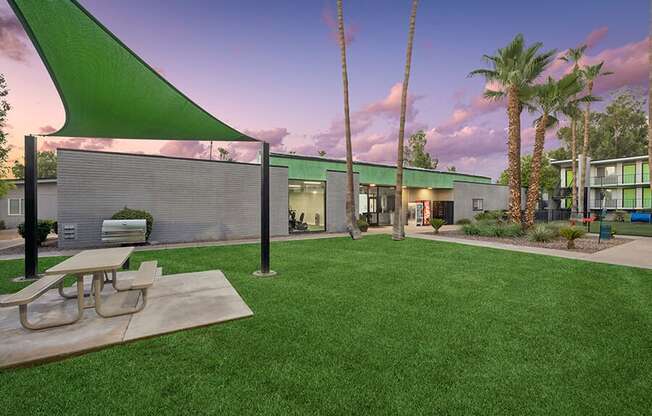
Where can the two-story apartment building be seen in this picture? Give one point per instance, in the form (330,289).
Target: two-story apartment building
(614,184)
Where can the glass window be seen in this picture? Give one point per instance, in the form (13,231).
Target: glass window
(307,205)
(646,172)
(629,198)
(647,198)
(629,173)
(16,206)
(569,178)
(478,205)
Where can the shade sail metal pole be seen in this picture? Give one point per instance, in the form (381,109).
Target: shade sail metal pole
(31,209)
(264,214)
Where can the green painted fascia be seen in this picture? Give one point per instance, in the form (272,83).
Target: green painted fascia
(314,169)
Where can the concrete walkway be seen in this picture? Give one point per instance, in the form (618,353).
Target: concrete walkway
(635,253)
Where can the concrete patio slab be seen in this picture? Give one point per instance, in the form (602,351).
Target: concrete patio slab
(175,302)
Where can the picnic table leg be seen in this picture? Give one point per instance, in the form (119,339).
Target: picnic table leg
(99,309)
(22,309)
(80,277)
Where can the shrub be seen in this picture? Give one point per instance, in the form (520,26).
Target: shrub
(43,228)
(3,226)
(135,214)
(437,223)
(541,233)
(620,216)
(497,215)
(471,228)
(463,221)
(571,234)
(493,228)
(508,230)
(363,225)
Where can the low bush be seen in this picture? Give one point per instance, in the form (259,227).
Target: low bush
(496,215)
(541,233)
(43,228)
(437,223)
(135,214)
(463,221)
(3,226)
(571,234)
(493,228)
(363,225)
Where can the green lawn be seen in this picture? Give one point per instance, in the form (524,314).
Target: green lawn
(626,228)
(376,327)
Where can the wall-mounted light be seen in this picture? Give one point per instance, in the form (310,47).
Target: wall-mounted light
(311,183)
(373,185)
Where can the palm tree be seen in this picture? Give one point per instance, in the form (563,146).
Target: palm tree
(398,230)
(547,99)
(590,73)
(574,55)
(514,68)
(351,216)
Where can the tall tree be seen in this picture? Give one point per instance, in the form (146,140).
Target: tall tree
(415,153)
(619,130)
(590,73)
(514,68)
(47,166)
(351,217)
(398,230)
(572,112)
(548,100)
(4,148)
(549,174)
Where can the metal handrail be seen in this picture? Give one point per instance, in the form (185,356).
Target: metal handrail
(628,179)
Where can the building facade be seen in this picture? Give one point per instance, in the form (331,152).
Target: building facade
(612,184)
(12,205)
(199,200)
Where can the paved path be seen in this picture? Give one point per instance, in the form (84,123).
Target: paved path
(636,253)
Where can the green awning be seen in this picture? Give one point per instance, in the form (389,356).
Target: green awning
(106,89)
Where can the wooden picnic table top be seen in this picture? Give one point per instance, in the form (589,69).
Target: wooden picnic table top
(88,261)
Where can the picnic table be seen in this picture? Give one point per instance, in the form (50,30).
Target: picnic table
(98,262)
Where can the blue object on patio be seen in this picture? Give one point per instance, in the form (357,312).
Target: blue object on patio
(641,217)
(605,232)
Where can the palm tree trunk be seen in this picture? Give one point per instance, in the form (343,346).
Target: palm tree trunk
(534,188)
(351,216)
(514,153)
(585,151)
(398,230)
(574,201)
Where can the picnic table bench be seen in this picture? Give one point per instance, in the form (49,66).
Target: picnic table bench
(98,263)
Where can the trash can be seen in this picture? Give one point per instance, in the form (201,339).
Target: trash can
(605,232)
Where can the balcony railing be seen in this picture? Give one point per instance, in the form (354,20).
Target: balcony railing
(628,179)
(621,204)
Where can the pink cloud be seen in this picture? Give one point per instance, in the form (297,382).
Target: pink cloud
(273,136)
(86,144)
(629,63)
(47,129)
(351,29)
(387,108)
(13,43)
(189,149)
(596,36)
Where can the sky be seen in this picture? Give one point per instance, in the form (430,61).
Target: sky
(272,70)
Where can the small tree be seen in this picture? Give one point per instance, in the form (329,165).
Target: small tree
(415,152)
(4,148)
(571,234)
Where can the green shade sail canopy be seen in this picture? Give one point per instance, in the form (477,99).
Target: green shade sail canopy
(106,89)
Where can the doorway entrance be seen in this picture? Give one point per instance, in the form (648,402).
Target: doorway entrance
(376,204)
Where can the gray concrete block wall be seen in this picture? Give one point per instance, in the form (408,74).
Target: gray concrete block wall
(336,200)
(190,200)
(495,197)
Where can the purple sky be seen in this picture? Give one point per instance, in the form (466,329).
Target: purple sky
(272,69)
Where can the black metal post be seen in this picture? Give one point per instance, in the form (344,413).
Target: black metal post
(264,213)
(31,209)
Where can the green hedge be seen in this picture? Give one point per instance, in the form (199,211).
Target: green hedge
(43,229)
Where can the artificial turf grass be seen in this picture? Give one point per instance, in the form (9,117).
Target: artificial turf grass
(380,327)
